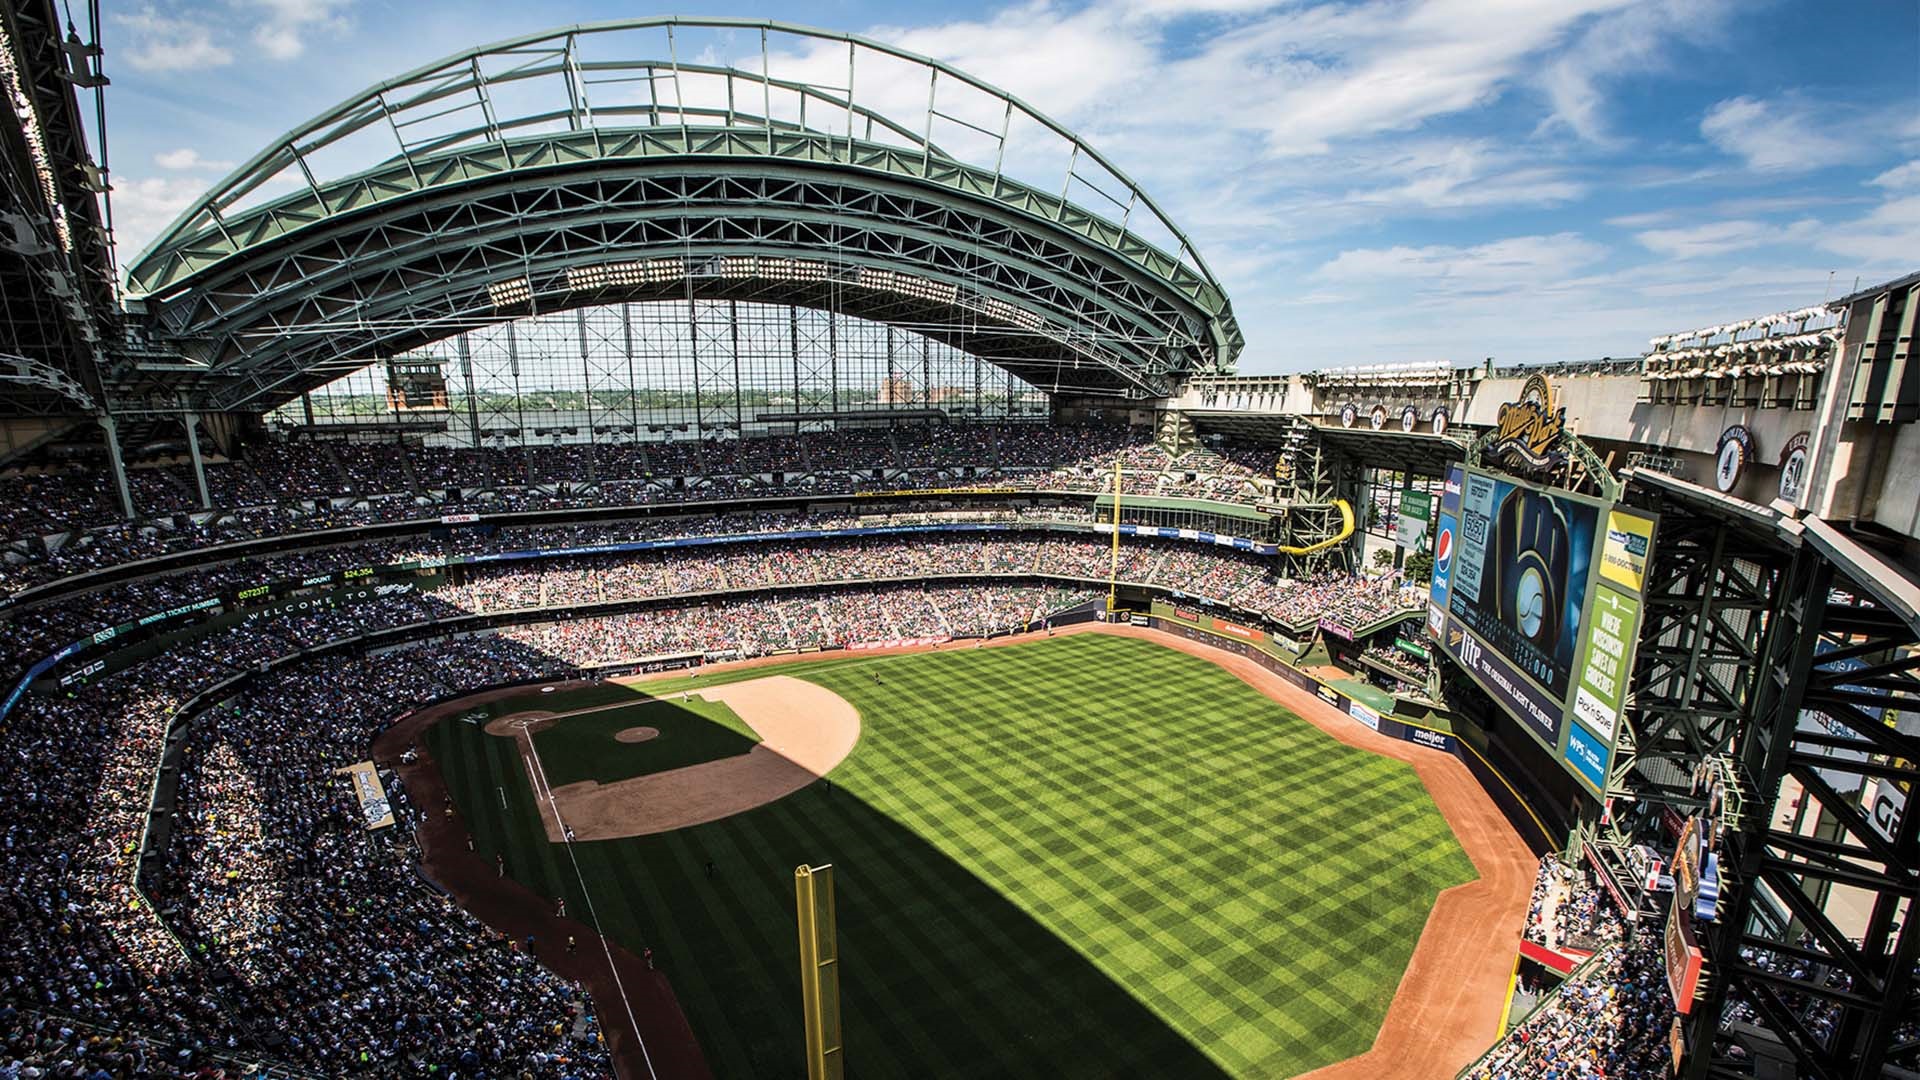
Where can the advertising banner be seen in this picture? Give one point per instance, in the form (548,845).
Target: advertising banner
(1416,512)
(375,811)
(1444,540)
(1364,715)
(1601,690)
(1588,755)
(1814,722)
(1885,807)
(1336,629)
(1683,958)
(1623,556)
(1512,690)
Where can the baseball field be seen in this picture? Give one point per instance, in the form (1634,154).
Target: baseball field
(1090,856)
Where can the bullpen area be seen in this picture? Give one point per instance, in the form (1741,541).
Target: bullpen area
(1086,856)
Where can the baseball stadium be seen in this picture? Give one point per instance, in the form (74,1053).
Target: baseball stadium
(704,547)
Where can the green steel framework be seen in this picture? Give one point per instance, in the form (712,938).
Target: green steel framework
(458,195)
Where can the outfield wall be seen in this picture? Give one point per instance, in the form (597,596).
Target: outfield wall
(1245,641)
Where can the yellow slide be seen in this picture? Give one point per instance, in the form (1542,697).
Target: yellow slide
(1346,531)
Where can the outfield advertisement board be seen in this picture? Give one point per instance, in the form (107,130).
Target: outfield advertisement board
(1443,546)
(1416,511)
(1537,595)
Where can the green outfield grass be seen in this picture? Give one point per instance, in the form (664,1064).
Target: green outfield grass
(1092,856)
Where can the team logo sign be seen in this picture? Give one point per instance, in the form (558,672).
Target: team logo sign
(1530,429)
(1731,458)
(1409,418)
(1793,467)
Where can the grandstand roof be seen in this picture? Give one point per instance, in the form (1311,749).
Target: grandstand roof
(56,281)
(672,158)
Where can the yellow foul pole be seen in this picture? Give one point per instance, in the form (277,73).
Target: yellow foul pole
(1113,571)
(819,972)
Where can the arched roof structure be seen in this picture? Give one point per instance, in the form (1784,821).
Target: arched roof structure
(671,158)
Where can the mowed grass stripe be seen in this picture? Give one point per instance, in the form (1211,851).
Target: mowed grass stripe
(911,1036)
(1081,857)
(1225,938)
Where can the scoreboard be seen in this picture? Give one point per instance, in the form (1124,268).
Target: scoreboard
(1537,595)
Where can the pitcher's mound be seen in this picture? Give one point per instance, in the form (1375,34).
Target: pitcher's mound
(640,733)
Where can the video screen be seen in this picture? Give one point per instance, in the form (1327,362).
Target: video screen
(1520,575)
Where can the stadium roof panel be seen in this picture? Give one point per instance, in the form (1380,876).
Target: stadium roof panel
(400,215)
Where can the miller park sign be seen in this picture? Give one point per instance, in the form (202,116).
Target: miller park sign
(1530,436)
(1530,429)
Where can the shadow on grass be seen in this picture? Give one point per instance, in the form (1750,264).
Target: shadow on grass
(662,734)
(940,974)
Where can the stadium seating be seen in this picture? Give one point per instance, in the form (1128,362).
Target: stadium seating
(283,487)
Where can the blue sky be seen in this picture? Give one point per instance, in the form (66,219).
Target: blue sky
(1375,181)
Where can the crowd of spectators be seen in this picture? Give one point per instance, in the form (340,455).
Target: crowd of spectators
(284,932)
(1221,574)
(1608,1020)
(811,619)
(494,587)
(1349,600)
(55,522)
(1569,910)
(345,959)
(1399,660)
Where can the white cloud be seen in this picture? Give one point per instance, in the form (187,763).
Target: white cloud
(1519,264)
(163,43)
(142,206)
(1463,173)
(1615,46)
(1888,238)
(187,159)
(1723,237)
(1322,74)
(1774,136)
(1900,177)
(284,25)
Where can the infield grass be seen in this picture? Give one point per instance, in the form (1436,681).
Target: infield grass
(1092,856)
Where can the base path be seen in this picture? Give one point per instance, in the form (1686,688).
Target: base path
(517,912)
(805,730)
(1445,1013)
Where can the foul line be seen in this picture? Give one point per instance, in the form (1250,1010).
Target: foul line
(540,782)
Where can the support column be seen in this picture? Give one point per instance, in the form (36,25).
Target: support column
(192,422)
(112,432)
